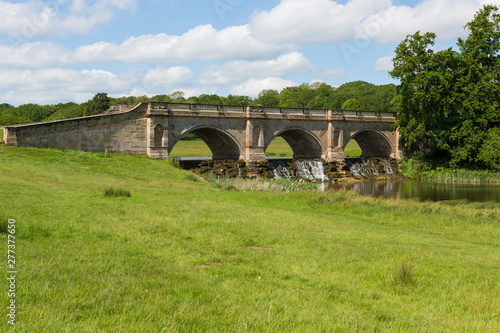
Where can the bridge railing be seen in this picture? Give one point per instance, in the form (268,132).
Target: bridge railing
(271,111)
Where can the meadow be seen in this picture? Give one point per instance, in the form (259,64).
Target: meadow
(180,255)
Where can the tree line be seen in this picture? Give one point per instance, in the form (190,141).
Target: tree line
(358,95)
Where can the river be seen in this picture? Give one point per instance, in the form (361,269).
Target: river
(421,190)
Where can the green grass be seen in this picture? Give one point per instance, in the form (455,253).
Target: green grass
(116,192)
(191,148)
(278,148)
(1,135)
(460,176)
(352,149)
(183,256)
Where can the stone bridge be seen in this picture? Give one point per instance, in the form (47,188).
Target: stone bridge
(231,132)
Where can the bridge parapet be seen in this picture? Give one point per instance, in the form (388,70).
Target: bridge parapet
(210,110)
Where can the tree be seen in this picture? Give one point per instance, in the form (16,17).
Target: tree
(296,97)
(269,98)
(236,100)
(478,87)
(98,104)
(425,90)
(69,110)
(351,104)
(450,100)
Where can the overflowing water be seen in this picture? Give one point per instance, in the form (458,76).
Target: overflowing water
(306,169)
(387,166)
(366,168)
(311,170)
(363,169)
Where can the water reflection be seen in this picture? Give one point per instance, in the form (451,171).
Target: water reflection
(423,190)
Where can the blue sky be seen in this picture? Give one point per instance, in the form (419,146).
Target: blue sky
(55,51)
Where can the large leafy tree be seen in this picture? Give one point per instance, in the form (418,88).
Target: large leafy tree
(98,104)
(449,100)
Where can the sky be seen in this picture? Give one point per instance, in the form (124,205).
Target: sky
(59,51)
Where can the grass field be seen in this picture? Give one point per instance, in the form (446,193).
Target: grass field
(179,255)
(1,134)
(278,148)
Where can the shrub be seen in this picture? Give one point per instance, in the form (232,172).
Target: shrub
(403,276)
(116,192)
(4,224)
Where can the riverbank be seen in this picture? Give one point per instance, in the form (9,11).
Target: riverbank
(460,176)
(182,255)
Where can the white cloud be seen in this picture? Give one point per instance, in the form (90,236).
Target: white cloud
(384,64)
(159,79)
(327,21)
(253,87)
(53,85)
(198,44)
(241,70)
(446,18)
(36,18)
(313,21)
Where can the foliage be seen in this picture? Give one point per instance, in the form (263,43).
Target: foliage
(268,97)
(451,100)
(413,167)
(98,104)
(460,176)
(69,110)
(275,185)
(489,153)
(351,104)
(10,119)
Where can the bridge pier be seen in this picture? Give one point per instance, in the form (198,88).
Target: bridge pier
(157,137)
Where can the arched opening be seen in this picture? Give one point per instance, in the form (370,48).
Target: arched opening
(372,144)
(220,145)
(191,145)
(303,144)
(279,148)
(158,140)
(352,149)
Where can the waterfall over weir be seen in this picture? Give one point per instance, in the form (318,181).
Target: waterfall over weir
(313,170)
(366,167)
(306,169)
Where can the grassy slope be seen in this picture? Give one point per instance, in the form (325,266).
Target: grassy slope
(175,256)
(278,148)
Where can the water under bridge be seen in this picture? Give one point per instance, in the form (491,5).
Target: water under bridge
(231,132)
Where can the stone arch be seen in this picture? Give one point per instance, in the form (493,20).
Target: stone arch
(373,143)
(222,144)
(303,143)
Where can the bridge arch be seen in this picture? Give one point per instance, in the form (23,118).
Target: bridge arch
(373,143)
(303,143)
(222,144)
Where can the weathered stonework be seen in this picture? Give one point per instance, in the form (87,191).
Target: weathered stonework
(231,132)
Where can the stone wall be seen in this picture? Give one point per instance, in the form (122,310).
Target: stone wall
(124,133)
